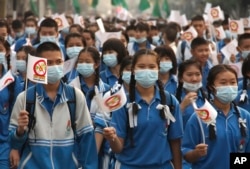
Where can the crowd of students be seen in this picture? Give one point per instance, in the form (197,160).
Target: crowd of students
(61,125)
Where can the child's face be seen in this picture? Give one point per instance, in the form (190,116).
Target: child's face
(140,34)
(201,53)
(244,45)
(85,57)
(21,55)
(225,79)
(200,27)
(75,42)
(192,75)
(146,62)
(88,39)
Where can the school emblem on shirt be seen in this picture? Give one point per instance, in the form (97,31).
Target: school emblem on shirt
(214,12)
(68,127)
(234,26)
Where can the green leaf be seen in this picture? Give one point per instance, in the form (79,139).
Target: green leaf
(143,5)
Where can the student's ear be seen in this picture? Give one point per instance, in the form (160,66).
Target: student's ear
(96,65)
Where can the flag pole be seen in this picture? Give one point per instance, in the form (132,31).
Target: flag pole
(25,92)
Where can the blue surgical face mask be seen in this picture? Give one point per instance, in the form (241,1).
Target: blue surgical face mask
(55,73)
(2,57)
(19,34)
(141,40)
(165,66)
(192,87)
(156,40)
(110,59)
(126,75)
(226,94)
(132,39)
(85,69)
(178,35)
(146,77)
(30,30)
(245,53)
(21,65)
(48,39)
(65,30)
(74,51)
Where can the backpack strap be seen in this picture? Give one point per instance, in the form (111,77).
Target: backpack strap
(72,106)
(183,46)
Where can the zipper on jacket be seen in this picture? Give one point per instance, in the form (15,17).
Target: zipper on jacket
(51,144)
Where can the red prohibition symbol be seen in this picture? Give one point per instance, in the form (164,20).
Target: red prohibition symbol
(38,68)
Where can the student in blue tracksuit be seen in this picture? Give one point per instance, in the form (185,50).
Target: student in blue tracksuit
(113,51)
(200,52)
(189,88)
(21,64)
(229,133)
(168,68)
(51,141)
(143,136)
(74,43)
(243,99)
(7,99)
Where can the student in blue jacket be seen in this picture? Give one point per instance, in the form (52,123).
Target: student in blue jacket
(53,137)
(244,85)
(168,68)
(145,133)
(7,99)
(229,133)
(113,51)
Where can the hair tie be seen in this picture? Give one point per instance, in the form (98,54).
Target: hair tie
(243,96)
(132,117)
(167,113)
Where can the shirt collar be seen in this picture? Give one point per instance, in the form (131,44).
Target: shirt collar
(138,98)
(42,93)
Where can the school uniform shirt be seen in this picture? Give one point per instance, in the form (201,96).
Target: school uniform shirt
(133,47)
(151,136)
(205,71)
(21,42)
(171,84)
(245,105)
(189,110)
(108,77)
(228,139)
(51,143)
(187,52)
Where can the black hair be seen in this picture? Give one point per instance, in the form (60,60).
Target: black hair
(125,62)
(30,20)
(29,14)
(17,24)
(96,56)
(213,73)
(197,18)
(182,68)
(117,46)
(126,36)
(132,84)
(69,17)
(245,69)
(142,27)
(74,35)
(47,46)
(170,31)
(164,51)
(130,27)
(89,32)
(3,23)
(27,50)
(198,42)
(242,37)
(49,22)
(78,27)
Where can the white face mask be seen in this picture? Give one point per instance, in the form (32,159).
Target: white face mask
(192,87)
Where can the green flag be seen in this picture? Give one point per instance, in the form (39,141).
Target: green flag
(94,3)
(143,5)
(119,2)
(156,9)
(52,4)
(33,6)
(77,6)
(165,7)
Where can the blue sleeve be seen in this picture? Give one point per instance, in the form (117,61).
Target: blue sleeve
(17,142)
(191,135)
(119,122)
(88,157)
(103,76)
(176,128)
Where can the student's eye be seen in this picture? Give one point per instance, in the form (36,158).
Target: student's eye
(58,62)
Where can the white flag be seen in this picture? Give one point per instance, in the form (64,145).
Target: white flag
(100,25)
(207,7)
(230,49)
(37,69)
(190,34)
(79,20)
(236,26)
(215,14)
(102,37)
(69,65)
(6,80)
(246,22)
(122,13)
(219,32)
(61,21)
(75,82)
